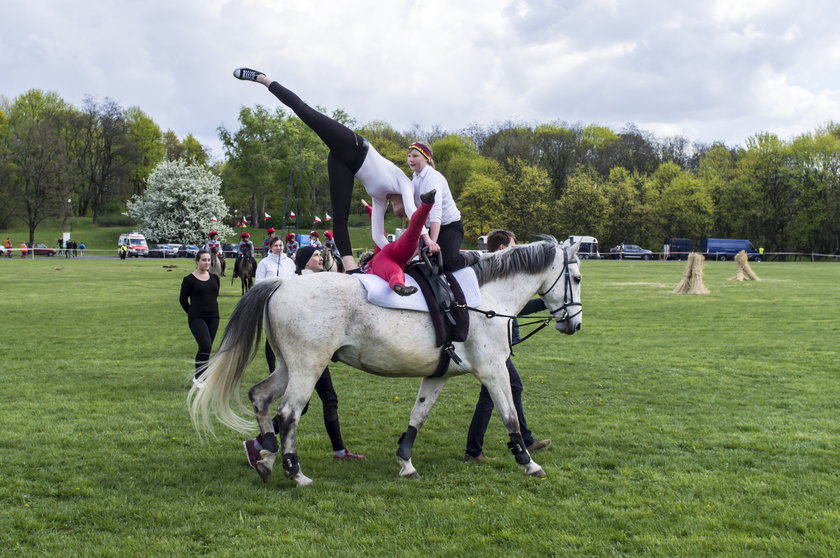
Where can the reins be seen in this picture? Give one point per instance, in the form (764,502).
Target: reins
(568,302)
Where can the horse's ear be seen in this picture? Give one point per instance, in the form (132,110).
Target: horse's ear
(574,247)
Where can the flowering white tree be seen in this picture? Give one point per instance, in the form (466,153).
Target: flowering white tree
(179,204)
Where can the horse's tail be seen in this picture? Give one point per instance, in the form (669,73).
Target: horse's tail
(221,379)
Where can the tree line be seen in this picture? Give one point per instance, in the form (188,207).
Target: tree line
(557,178)
(58,161)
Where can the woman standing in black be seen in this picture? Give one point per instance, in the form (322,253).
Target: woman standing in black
(199,299)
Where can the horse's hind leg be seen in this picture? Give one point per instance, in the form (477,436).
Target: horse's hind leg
(430,388)
(298,392)
(262,395)
(500,392)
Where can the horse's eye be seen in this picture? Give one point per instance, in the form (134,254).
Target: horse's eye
(577,278)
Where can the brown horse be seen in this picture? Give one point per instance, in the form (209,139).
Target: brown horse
(245,269)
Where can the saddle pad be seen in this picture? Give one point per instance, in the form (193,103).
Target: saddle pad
(380,294)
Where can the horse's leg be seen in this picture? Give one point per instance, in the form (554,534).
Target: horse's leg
(262,395)
(298,391)
(499,388)
(430,388)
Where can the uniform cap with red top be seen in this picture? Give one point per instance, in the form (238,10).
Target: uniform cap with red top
(212,233)
(269,230)
(328,234)
(290,236)
(245,235)
(315,234)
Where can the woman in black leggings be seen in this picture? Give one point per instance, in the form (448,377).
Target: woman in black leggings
(305,262)
(351,156)
(199,299)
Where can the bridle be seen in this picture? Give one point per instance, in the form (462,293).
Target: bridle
(568,302)
(568,293)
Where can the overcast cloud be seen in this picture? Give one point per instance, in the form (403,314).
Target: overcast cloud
(714,70)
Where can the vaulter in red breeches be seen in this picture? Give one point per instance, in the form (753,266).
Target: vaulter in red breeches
(389,263)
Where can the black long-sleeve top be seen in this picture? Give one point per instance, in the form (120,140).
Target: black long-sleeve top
(199,299)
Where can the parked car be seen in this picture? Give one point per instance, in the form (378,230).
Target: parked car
(164,251)
(188,251)
(230,250)
(40,249)
(630,251)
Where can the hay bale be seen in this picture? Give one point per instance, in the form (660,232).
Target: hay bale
(744,271)
(692,279)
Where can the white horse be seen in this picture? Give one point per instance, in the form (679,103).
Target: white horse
(382,341)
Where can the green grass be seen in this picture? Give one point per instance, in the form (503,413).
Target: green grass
(681,426)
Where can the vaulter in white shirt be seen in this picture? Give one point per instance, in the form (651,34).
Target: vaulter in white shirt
(446,232)
(351,156)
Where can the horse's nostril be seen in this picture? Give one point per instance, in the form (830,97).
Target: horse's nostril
(577,327)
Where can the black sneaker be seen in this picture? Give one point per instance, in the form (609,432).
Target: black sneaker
(428,197)
(247,74)
(404,290)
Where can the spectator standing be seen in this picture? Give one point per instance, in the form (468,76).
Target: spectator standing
(291,245)
(499,240)
(199,299)
(308,260)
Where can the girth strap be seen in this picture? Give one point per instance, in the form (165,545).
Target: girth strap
(447,310)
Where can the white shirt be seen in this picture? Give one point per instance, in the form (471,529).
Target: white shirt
(274,266)
(445,211)
(380,178)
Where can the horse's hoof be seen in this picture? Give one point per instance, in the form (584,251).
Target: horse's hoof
(411,475)
(302,480)
(539,473)
(264,472)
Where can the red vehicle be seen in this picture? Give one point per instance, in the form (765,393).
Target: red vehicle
(40,249)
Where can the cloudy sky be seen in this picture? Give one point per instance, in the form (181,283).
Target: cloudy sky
(710,70)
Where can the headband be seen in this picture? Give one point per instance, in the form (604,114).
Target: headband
(422,148)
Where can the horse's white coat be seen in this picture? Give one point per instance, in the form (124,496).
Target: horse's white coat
(331,308)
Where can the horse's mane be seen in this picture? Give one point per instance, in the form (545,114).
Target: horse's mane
(527,258)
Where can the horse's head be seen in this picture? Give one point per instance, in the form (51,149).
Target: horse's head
(561,289)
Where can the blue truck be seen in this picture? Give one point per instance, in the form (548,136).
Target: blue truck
(723,249)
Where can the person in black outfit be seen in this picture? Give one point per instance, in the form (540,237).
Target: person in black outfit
(199,299)
(307,260)
(499,240)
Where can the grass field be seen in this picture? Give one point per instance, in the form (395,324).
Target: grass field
(681,426)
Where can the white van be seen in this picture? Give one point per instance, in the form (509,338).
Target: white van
(588,247)
(136,244)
